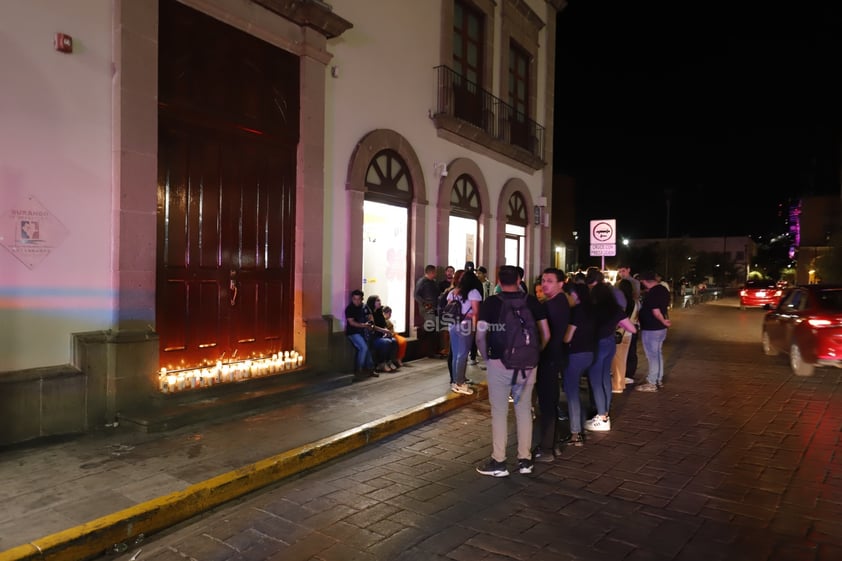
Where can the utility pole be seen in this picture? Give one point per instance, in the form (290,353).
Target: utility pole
(668,196)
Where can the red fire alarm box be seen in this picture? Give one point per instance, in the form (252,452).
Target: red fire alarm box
(63,43)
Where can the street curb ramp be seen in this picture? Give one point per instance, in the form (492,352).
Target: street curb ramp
(129,525)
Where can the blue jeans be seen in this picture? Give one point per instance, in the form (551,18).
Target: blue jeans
(363,360)
(599,374)
(461,340)
(578,363)
(653,342)
(384,348)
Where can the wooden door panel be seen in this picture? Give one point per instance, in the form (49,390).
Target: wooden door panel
(174,314)
(228,134)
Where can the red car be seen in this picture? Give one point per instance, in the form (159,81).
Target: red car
(760,293)
(806,325)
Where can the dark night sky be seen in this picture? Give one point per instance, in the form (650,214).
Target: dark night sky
(729,108)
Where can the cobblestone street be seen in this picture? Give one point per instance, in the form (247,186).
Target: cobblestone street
(734,459)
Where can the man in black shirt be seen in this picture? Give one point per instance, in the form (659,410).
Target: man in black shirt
(549,369)
(426,296)
(357,329)
(491,343)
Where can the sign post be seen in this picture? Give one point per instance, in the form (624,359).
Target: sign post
(603,239)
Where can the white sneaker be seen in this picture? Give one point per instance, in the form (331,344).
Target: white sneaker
(630,380)
(598,424)
(461,388)
(472,362)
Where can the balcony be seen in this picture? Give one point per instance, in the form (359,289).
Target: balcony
(466,110)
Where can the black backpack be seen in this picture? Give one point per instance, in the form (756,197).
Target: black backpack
(452,312)
(522,348)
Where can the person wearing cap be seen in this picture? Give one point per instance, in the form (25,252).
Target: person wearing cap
(654,323)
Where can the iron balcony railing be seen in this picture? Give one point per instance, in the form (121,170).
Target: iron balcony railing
(465,100)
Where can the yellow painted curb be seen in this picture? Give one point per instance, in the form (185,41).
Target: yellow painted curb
(96,537)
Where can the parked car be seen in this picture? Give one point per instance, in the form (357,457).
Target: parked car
(758,293)
(806,325)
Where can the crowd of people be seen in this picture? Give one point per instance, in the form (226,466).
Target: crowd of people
(570,333)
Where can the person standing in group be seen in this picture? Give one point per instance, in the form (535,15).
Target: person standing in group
(654,323)
(472,355)
(495,344)
(607,315)
(624,273)
(487,288)
(618,364)
(580,339)
(550,367)
(466,296)
(426,297)
(445,286)
(447,283)
(444,322)
(358,332)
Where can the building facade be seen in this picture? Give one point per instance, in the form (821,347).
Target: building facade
(190,189)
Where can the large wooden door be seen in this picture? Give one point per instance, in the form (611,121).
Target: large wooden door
(228,129)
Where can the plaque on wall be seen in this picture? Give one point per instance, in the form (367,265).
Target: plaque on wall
(30,231)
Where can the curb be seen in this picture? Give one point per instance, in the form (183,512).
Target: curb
(96,537)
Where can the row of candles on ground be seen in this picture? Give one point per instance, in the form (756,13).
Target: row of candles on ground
(180,380)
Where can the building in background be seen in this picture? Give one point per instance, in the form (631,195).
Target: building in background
(191,188)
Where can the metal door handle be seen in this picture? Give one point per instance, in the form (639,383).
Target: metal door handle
(232,286)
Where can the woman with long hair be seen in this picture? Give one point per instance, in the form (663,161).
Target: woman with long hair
(383,345)
(400,339)
(468,295)
(607,315)
(580,343)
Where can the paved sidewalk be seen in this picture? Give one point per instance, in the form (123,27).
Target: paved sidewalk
(124,480)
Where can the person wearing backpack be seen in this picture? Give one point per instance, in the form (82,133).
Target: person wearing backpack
(460,315)
(511,333)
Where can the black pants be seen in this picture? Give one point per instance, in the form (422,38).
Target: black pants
(631,359)
(547,388)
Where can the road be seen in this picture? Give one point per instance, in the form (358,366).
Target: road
(734,459)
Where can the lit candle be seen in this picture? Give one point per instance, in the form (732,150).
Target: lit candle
(300,360)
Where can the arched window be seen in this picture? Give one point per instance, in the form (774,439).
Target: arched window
(386,233)
(387,175)
(517,219)
(464,198)
(465,210)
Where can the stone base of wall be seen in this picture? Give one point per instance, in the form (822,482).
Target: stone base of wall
(114,377)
